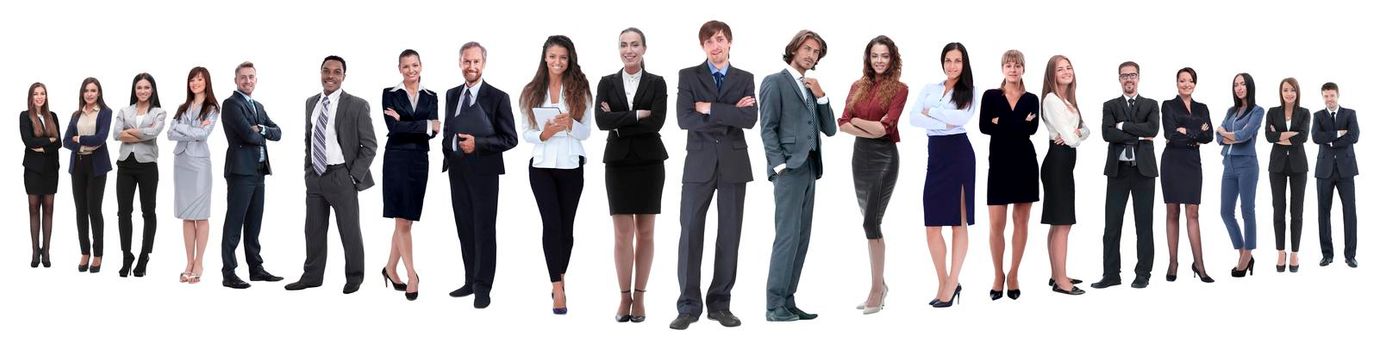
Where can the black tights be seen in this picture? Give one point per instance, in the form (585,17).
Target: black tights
(40,204)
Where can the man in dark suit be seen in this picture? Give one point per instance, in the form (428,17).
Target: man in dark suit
(478,129)
(340,147)
(247,131)
(794,111)
(1336,130)
(1129,124)
(715,103)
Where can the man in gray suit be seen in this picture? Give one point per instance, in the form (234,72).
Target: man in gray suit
(716,101)
(794,111)
(340,148)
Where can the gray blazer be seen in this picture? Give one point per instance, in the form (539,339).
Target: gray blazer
(715,142)
(146,150)
(354,132)
(789,126)
(190,135)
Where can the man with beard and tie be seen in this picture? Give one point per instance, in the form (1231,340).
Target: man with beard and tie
(1129,124)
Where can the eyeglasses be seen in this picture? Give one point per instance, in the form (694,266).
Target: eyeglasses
(1129,76)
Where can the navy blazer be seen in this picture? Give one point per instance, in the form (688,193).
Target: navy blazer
(715,142)
(101,164)
(487,158)
(1337,153)
(236,118)
(1296,154)
(411,131)
(631,140)
(45,161)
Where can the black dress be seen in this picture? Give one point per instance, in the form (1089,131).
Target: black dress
(634,158)
(40,168)
(1180,172)
(405,161)
(1013,175)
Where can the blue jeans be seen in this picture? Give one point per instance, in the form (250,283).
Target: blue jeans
(1239,179)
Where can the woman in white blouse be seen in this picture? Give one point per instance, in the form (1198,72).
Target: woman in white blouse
(943,108)
(1066,131)
(557,162)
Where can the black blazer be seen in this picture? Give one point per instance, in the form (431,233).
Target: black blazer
(632,141)
(487,158)
(412,130)
(1337,152)
(1141,122)
(1176,115)
(101,163)
(236,118)
(43,162)
(715,142)
(1295,155)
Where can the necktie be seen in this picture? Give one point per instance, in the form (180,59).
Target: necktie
(464,102)
(718,80)
(318,138)
(810,101)
(1130,149)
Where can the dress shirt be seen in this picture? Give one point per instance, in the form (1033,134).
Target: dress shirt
(333,154)
(943,111)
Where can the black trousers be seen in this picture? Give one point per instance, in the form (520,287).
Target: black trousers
(1126,184)
(557,198)
(695,198)
(332,190)
(1288,195)
(243,217)
(1326,187)
(474,201)
(87,191)
(133,175)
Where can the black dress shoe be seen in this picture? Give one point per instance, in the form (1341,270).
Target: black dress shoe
(263,275)
(725,318)
(352,286)
(1070,279)
(1351,262)
(683,321)
(300,285)
(1074,291)
(1140,282)
(464,291)
(1014,294)
(1326,261)
(1106,282)
(234,282)
(481,300)
(803,315)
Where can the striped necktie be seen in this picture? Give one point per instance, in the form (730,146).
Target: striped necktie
(318,138)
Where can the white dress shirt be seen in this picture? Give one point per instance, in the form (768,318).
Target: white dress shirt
(630,82)
(562,150)
(796,75)
(333,155)
(943,111)
(1062,122)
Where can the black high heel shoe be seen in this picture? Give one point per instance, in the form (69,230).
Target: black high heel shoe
(396,286)
(957,294)
(1172,274)
(1196,273)
(95,268)
(560,310)
(46,263)
(1013,293)
(141,268)
(36,256)
(627,316)
(997,294)
(411,296)
(126,265)
(1249,268)
(638,318)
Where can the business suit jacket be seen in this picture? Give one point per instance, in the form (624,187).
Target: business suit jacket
(1337,154)
(790,127)
(242,156)
(146,150)
(412,130)
(630,139)
(715,142)
(1141,122)
(41,162)
(1296,154)
(487,158)
(101,164)
(354,133)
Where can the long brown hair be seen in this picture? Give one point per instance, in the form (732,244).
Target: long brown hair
(886,84)
(1051,82)
(208,103)
(48,129)
(573,82)
(81,96)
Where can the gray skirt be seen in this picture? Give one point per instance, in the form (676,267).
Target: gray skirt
(191,180)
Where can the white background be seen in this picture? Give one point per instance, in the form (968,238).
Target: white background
(61,42)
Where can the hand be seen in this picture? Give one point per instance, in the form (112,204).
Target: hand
(1221,130)
(127,136)
(746,101)
(1182,130)
(813,86)
(643,114)
(207,122)
(1058,140)
(1340,133)
(996,121)
(549,129)
(566,123)
(1271,129)
(924,111)
(254,128)
(1285,142)
(1030,118)
(1077,132)
(39,150)
(392,113)
(1287,135)
(702,107)
(1205,127)
(466,143)
(435,126)
(603,106)
(76,138)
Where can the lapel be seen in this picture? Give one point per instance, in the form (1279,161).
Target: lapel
(790,83)
(619,94)
(1125,106)
(641,89)
(706,79)
(341,117)
(406,102)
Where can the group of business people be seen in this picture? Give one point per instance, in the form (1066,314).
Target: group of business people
(715,103)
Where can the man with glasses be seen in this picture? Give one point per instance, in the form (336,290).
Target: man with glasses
(1129,124)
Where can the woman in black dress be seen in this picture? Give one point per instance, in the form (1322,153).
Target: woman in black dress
(632,107)
(412,119)
(38,129)
(1187,125)
(1009,114)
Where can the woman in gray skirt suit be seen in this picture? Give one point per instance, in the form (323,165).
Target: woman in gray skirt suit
(192,124)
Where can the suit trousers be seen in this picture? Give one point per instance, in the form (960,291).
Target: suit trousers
(694,205)
(557,199)
(1128,183)
(87,191)
(332,190)
(243,217)
(133,175)
(1288,190)
(1326,187)
(474,201)
(794,220)
(1239,179)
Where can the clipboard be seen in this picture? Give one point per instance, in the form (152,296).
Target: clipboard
(542,115)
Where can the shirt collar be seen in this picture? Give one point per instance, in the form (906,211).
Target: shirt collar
(334,96)
(1131,97)
(714,69)
(246,96)
(403,86)
(633,77)
(794,74)
(474,90)
(1334,111)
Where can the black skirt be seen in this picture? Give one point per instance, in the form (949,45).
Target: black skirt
(635,188)
(951,181)
(40,183)
(875,167)
(404,183)
(1013,176)
(1180,173)
(1060,192)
